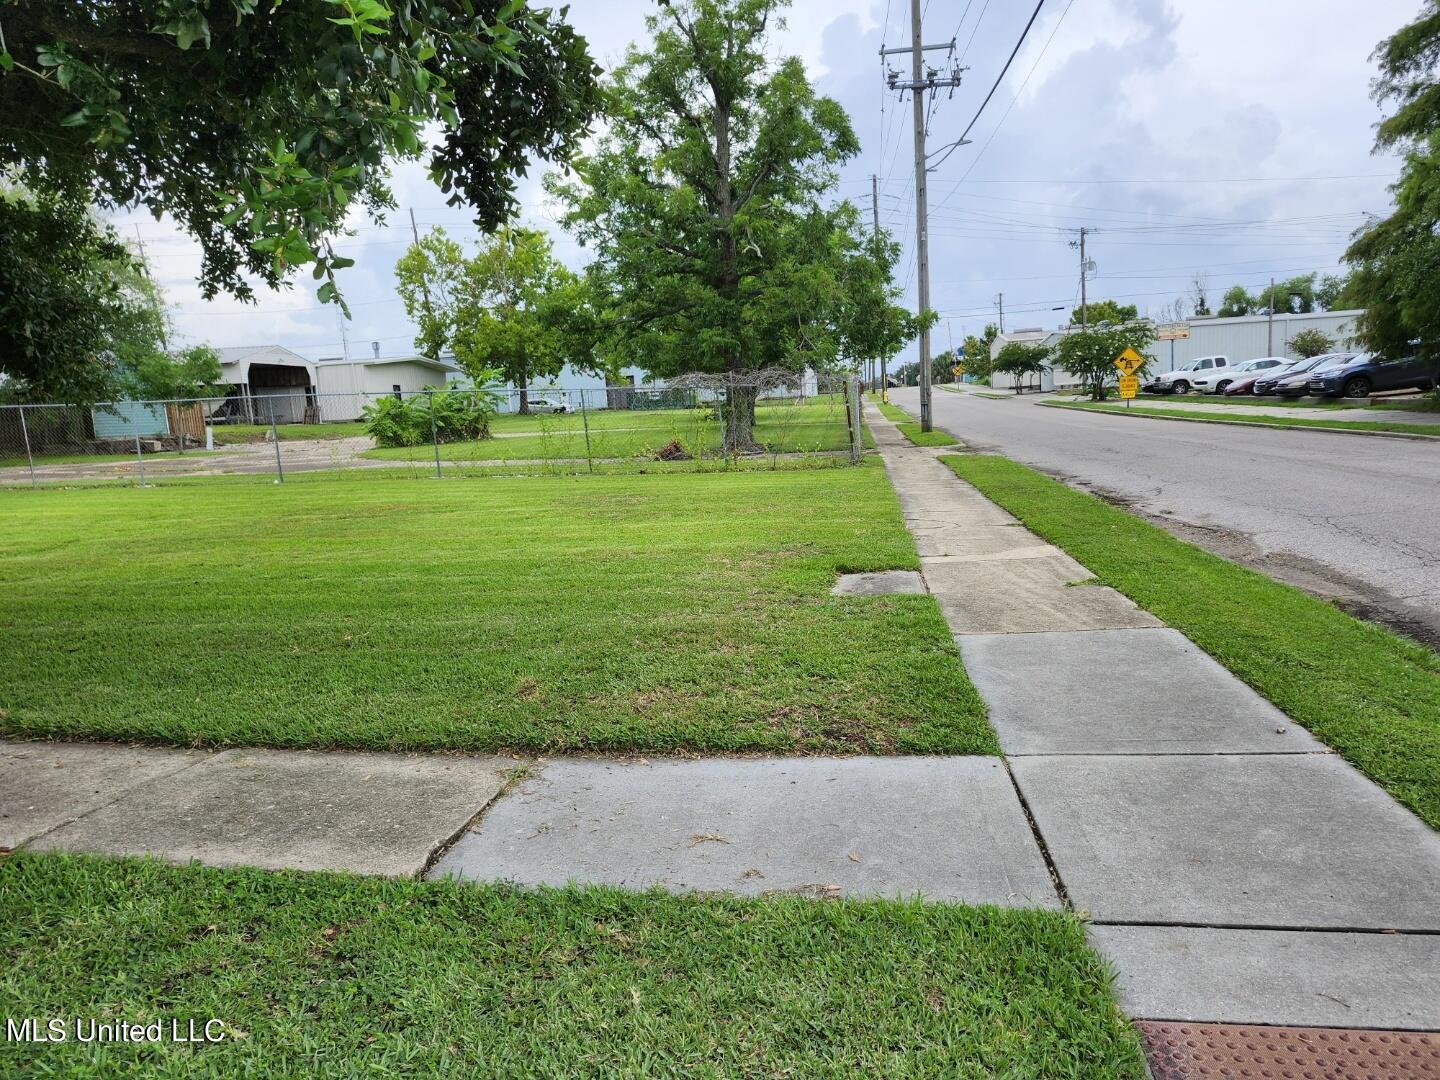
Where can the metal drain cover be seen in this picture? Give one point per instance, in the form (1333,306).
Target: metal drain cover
(1240,1052)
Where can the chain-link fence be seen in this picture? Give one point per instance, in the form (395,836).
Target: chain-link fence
(697,423)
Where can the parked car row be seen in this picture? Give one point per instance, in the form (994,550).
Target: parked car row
(1339,374)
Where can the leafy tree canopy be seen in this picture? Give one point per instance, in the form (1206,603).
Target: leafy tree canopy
(704,202)
(488,309)
(1105,311)
(1295,296)
(75,305)
(258,126)
(1396,260)
(1091,354)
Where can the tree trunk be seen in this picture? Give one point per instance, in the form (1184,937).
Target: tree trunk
(521,382)
(739,416)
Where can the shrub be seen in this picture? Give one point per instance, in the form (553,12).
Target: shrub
(453,415)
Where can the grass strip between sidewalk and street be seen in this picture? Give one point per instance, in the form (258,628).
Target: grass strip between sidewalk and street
(933,437)
(665,612)
(1432,430)
(892,412)
(1368,693)
(336,976)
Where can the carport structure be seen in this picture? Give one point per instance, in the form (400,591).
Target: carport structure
(268,381)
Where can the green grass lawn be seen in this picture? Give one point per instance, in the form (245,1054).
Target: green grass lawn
(327,975)
(933,437)
(229,434)
(892,412)
(816,426)
(1271,421)
(1373,696)
(644,613)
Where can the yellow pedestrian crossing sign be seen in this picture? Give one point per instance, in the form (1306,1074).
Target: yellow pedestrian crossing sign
(1129,361)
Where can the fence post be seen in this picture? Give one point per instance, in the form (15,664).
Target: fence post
(29,457)
(275,438)
(434,434)
(140,458)
(585,419)
(857,441)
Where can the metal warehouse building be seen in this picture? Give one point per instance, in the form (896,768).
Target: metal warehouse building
(1243,338)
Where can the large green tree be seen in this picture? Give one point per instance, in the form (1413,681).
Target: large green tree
(259,126)
(488,309)
(1091,354)
(75,305)
(705,203)
(1396,260)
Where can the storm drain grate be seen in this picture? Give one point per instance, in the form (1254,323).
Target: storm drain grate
(1239,1052)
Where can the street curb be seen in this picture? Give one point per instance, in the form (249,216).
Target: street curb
(1248,423)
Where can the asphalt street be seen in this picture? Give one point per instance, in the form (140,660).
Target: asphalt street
(1352,518)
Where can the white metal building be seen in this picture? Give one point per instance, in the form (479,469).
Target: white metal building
(345,387)
(1245,337)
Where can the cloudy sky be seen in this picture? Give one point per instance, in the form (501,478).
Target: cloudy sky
(1229,138)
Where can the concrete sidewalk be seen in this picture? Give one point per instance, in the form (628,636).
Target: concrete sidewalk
(1233,869)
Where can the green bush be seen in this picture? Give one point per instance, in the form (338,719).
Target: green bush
(453,415)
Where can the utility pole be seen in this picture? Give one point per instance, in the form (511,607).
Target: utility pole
(424,288)
(875,224)
(1083,276)
(1000,303)
(922,81)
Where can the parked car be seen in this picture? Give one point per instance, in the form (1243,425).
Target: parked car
(1361,374)
(1265,385)
(548,405)
(1298,383)
(1181,379)
(1218,380)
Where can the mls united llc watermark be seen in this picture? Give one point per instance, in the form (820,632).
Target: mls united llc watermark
(58,1029)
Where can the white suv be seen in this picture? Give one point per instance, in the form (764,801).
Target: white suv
(1182,379)
(1216,380)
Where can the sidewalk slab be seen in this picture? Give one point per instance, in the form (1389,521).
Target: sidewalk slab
(1148,691)
(1283,841)
(43,785)
(1026,596)
(936,540)
(1301,978)
(278,809)
(949,828)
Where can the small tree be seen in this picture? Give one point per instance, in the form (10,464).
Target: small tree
(1020,359)
(489,310)
(1308,343)
(977,360)
(1091,354)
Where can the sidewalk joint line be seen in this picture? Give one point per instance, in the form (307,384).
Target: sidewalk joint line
(521,771)
(1055,878)
(1420,932)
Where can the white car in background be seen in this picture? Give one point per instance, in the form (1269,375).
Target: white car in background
(1215,380)
(1182,379)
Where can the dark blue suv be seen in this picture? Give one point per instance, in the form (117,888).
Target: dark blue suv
(1364,373)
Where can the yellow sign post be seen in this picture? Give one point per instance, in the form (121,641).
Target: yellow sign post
(1129,362)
